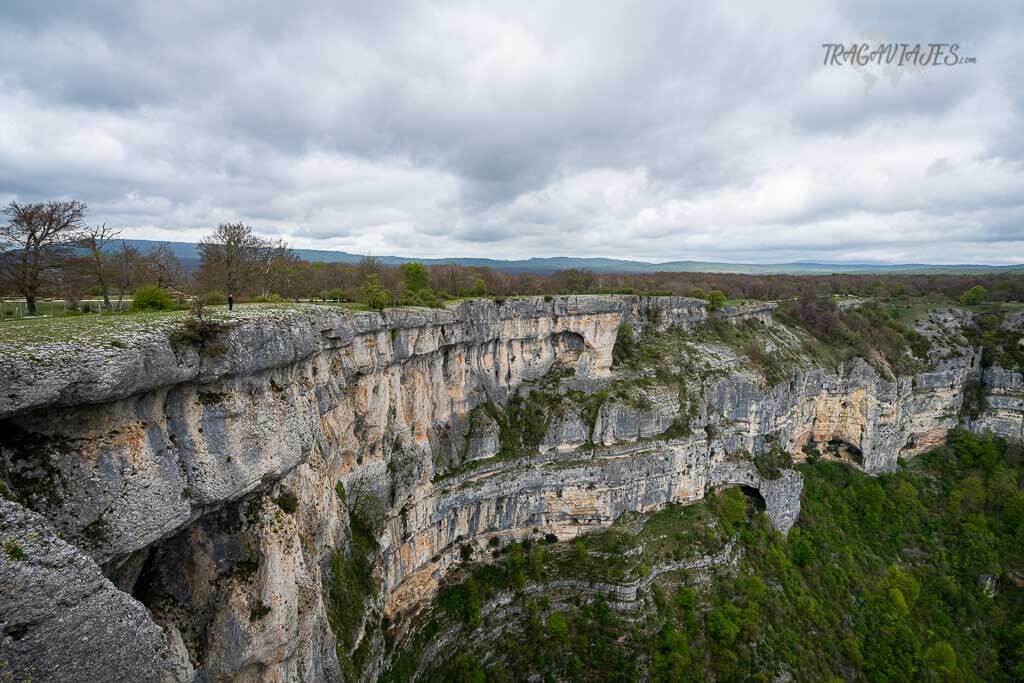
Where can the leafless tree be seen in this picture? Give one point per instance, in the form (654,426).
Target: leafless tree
(229,255)
(365,507)
(126,268)
(237,259)
(39,235)
(274,262)
(367,266)
(163,266)
(95,239)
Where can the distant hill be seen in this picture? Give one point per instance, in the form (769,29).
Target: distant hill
(187,253)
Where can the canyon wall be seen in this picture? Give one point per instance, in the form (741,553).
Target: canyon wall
(215,487)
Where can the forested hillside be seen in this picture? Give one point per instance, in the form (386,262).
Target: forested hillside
(917,575)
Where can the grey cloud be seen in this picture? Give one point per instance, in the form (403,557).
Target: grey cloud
(662,132)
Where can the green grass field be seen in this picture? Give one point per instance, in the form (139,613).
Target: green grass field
(12,309)
(104,328)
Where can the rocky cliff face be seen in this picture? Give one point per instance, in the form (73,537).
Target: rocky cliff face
(219,490)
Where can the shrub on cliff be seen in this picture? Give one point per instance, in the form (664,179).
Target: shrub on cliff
(625,344)
(558,627)
(152,299)
(770,465)
(288,502)
(200,331)
(732,508)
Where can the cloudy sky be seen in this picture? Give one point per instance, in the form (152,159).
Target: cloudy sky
(655,131)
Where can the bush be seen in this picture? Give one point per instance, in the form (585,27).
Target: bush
(732,506)
(15,552)
(373,293)
(973,296)
(625,344)
(422,297)
(770,465)
(716,299)
(215,298)
(288,502)
(721,627)
(558,628)
(200,331)
(152,299)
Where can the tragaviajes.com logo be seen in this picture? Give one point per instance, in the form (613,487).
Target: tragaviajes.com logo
(894,54)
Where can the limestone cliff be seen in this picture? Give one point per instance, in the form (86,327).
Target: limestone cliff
(218,488)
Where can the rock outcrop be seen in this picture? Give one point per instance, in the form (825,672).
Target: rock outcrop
(217,489)
(62,620)
(1003,412)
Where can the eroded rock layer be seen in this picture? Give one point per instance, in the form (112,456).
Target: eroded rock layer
(218,489)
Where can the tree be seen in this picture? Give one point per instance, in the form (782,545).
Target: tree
(374,294)
(126,266)
(95,240)
(230,256)
(416,276)
(940,662)
(716,299)
(973,296)
(720,625)
(163,266)
(558,627)
(733,507)
(367,266)
(39,236)
(274,265)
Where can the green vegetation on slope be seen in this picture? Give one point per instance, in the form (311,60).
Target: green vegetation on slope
(907,576)
(999,346)
(350,585)
(873,331)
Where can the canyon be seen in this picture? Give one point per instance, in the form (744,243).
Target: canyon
(182,510)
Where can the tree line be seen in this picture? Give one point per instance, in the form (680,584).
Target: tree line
(47,249)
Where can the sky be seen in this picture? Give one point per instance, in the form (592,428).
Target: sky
(654,131)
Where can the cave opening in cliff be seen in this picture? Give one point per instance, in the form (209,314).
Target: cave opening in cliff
(755,501)
(844,451)
(568,346)
(754,498)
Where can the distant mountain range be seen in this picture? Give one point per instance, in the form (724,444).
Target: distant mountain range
(189,256)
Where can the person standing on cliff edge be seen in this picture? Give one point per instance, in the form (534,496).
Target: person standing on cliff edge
(231,303)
